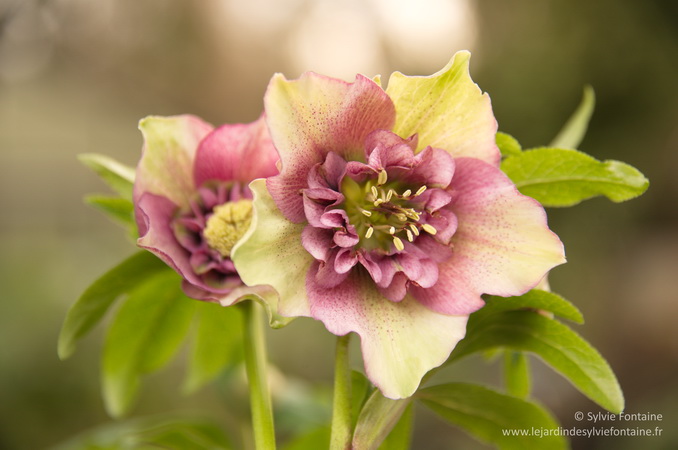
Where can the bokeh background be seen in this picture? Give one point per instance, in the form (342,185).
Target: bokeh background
(77,75)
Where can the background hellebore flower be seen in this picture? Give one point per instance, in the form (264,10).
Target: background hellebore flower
(192,201)
(390,217)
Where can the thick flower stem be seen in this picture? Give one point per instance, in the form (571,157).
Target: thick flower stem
(256,366)
(341,410)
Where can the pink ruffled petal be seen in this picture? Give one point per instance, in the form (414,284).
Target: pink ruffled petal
(157,236)
(317,241)
(502,246)
(345,260)
(239,152)
(315,115)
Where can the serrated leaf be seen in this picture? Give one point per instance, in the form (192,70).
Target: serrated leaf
(517,374)
(574,130)
(535,299)
(144,335)
(377,419)
(118,176)
(560,177)
(508,145)
(555,343)
(491,416)
(119,209)
(217,343)
(100,295)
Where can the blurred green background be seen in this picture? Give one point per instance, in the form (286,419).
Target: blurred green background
(77,75)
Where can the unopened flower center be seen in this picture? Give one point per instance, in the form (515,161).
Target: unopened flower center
(384,213)
(227,225)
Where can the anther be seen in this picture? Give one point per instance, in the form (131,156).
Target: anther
(391,230)
(414,229)
(398,243)
(366,212)
(429,228)
(378,201)
(374,191)
(407,193)
(389,195)
(410,236)
(369,232)
(420,191)
(383,176)
(401,217)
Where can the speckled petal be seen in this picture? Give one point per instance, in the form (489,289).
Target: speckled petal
(400,341)
(271,253)
(447,110)
(502,245)
(315,115)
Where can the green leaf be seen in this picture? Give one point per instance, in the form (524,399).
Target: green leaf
(535,299)
(555,343)
(508,145)
(118,176)
(144,335)
(217,343)
(572,133)
(517,374)
(172,432)
(361,390)
(562,177)
(119,209)
(184,435)
(377,419)
(95,301)
(399,438)
(491,416)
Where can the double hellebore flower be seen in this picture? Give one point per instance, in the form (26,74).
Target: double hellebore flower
(192,201)
(390,217)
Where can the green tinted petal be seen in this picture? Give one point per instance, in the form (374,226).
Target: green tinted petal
(446,110)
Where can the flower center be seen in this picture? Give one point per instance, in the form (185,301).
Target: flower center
(384,213)
(227,225)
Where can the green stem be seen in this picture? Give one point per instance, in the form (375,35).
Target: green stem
(256,365)
(341,409)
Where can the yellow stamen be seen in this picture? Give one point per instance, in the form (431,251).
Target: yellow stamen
(227,225)
(420,191)
(369,233)
(374,191)
(410,236)
(407,193)
(414,229)
(366,212)
(391,230)
(398,243)
(429,229)
(389,195)
(383,177)
(401,217)
(378,201)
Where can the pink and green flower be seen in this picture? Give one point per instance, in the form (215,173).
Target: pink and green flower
(192,201)
(390,216)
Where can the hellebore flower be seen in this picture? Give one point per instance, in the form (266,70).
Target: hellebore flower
(390,216)
(192,201)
